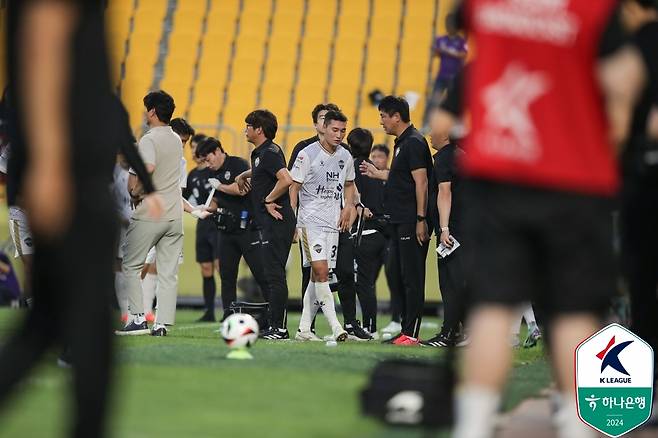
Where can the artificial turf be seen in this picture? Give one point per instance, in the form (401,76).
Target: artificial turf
(183,386)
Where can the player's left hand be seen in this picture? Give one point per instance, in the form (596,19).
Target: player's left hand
(446,239)
(214,183)
(345,221)
(421,233)
(272,210)
(368,169)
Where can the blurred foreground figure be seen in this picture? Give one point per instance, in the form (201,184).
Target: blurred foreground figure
(66,128)
(541,169)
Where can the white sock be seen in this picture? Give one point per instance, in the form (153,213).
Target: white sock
(149,285)
(120,290)
(324,295)
(308,309)
(529,316)
(567,422)
(476,412)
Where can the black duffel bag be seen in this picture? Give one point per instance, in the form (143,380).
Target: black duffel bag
(259,311)
(411,393)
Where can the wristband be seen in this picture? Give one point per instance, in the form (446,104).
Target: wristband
(267,202)
(420,218)
(445,229)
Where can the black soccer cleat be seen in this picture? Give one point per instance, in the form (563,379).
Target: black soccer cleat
(274,334)
(446,338)
(160,331)
(356,333)
(133,329)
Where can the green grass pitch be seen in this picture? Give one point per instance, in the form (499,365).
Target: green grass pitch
(182,386)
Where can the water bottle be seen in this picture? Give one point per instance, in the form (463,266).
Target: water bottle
(244,215)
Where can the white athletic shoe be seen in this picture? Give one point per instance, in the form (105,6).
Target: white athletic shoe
(306,336)
(392,327)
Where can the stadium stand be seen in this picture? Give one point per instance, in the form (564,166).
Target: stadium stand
(227,57)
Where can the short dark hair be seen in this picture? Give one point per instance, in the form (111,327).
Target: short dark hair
(163,104)
(323,107)
(198,138)
(360,140)
(181,127)
(207,146)
(265,120)
(648,4)
(382,148)
(334,115)
(393,104)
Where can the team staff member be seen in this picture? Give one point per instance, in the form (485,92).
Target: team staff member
(65,132)
(371,251)
(447,191)
(317,115)
(206,239)
(275,219)
(540,189)
(405,202)
(162,151)
(239,237)
(379,157)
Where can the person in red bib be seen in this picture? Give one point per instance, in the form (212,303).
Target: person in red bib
(548,98)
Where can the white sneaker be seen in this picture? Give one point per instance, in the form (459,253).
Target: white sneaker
(306,336)
(392,327)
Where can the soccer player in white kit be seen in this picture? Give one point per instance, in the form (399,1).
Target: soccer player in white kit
(323,181)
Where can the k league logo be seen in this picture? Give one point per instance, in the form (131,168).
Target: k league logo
(614,380)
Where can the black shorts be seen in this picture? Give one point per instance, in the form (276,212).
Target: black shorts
(207,243)
(549,247)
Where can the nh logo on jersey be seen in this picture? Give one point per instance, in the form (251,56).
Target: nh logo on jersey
(333,176)
(614,380)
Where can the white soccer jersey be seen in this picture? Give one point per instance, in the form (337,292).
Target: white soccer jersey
(322,176)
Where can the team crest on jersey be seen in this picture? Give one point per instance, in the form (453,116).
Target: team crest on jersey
(341,164)
(227,174)
(256,162)
(397,152)
(317,248)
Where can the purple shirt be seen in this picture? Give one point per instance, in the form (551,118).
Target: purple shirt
(450,65)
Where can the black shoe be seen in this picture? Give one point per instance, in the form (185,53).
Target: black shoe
(444,339)
(160,331)
(390,341)
(132,329)
(356,333)
(274,334)
(64,359)
(207,317)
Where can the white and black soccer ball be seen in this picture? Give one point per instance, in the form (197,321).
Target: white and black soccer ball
(239,330)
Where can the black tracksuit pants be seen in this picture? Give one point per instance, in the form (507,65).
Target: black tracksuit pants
(369,255)
(232,247)
(408,266)
(73,287)
(276,238)
(452,283)
(345,274)
(639,220)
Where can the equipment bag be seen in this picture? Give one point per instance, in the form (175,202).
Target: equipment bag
(411,393)
(259,311)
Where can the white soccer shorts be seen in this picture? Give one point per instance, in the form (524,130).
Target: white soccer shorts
(319,244)
(20,232)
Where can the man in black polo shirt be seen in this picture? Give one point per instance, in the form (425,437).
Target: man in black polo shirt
(269,182)
(371,251)
(238,237)
(405,202)
(446,187)
(317,115)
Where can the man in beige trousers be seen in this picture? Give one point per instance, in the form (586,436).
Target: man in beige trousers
(161,149)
